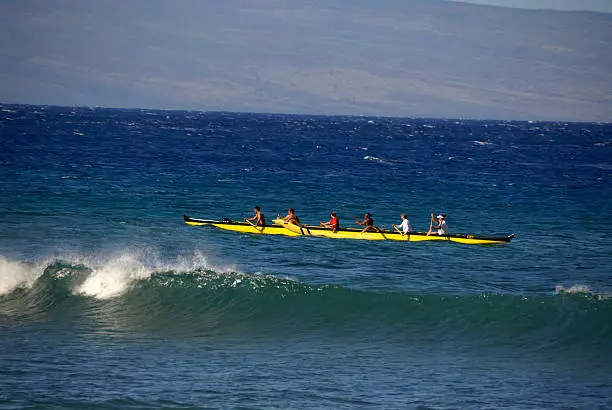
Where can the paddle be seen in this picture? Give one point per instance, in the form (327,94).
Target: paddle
(302,227)
(296,222)
(430,224)
(254,226)
(354,217)
(382,232)
(402,233)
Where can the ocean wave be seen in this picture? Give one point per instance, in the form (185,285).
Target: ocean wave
(102,277)
(126,293)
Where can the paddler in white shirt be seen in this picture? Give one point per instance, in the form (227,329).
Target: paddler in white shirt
(405,226)
(442,227)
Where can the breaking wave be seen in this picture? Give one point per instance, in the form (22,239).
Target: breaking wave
(124,293)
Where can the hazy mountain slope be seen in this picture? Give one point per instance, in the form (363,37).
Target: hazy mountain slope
(406,58)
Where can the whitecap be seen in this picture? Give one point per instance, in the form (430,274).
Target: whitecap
(15,274)
(113,278)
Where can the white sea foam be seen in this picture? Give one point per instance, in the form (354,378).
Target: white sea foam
(113,277)
(188,263)
(582,290)
(377,159)
(16,274)
(372,158)
(110,275)
(572,289)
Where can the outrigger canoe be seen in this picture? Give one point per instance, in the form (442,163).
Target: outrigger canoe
(280,227)
(355,233)
(229,225)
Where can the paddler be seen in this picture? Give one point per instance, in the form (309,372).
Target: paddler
(442,227)
(292,218)
(405,228)
(259,218)
(333,224)
(368,223)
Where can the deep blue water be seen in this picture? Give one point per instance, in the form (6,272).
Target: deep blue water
(108,300)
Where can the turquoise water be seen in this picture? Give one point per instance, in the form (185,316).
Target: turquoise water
(108,300)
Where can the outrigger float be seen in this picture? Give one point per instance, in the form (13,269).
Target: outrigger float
(280,227)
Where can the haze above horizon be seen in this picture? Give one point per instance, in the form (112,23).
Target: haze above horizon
(602,6)
(407,58)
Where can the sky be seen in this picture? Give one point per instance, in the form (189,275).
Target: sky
(604,6)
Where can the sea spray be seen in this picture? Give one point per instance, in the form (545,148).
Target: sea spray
(113,278)
(15,274)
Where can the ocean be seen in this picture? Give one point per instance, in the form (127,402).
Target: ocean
(109,300)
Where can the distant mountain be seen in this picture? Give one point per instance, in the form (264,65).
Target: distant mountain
(377,57)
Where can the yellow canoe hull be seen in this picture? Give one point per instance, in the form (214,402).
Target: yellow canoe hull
(280,227)
(243,227)
(386,235)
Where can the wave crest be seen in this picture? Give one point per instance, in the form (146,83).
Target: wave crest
(15,275)
(126,293)
(113,278)
(579,289)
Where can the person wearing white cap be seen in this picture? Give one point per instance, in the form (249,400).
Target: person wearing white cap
(442,227)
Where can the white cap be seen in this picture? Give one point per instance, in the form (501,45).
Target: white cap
(440,216)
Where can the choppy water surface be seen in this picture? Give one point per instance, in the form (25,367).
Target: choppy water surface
(108,300)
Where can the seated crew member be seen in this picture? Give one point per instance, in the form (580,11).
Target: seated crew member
(368,223)
(292,217)
(259,218)
(405,226)
(333,224)
(442,227)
